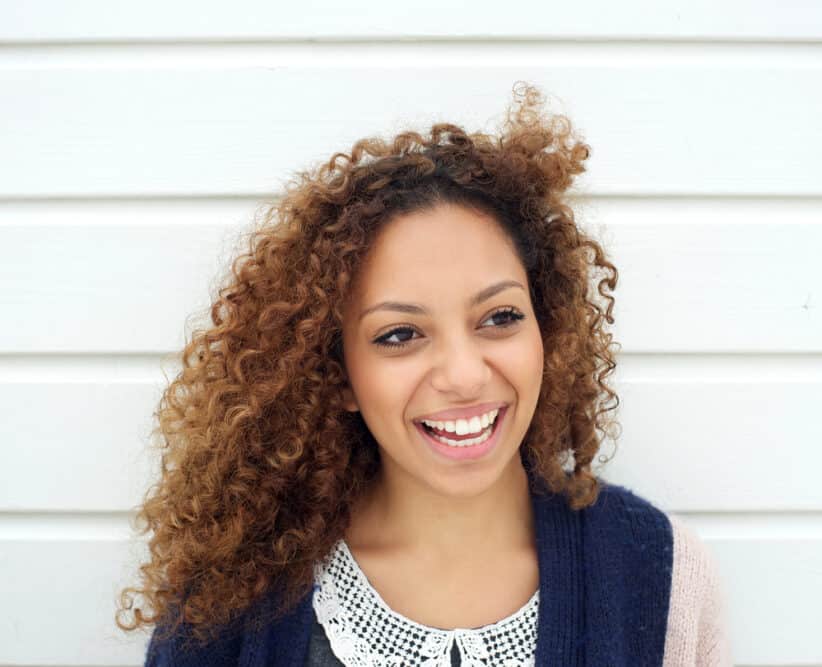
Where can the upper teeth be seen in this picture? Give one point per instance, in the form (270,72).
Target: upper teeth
(464,426)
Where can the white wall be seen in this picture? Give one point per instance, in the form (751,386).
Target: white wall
(137,140)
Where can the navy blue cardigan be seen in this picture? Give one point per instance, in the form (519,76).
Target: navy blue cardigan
(605,584)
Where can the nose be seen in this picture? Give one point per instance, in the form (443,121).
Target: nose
(460,368)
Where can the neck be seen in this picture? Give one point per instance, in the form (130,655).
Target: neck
(401,514)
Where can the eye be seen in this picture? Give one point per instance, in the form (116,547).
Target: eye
(510,317)
(383,340)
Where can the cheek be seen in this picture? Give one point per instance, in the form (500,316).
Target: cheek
(387,386)
(522,361)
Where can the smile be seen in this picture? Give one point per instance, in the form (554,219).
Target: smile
(462,432)
(467,445)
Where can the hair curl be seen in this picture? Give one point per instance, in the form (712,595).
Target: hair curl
(261,463)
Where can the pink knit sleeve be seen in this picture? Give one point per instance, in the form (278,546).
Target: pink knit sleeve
(697,633)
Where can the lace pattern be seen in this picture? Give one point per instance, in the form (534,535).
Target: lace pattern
(364,631)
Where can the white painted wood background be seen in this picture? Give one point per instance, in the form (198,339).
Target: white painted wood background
(137,140)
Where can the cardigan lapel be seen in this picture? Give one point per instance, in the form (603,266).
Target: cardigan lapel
(605,580)
(560,620)
(628,561)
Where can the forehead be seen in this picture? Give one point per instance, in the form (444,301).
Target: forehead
(441,250)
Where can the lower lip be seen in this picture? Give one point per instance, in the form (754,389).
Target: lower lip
(465,453)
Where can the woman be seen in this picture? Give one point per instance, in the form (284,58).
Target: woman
(380,453)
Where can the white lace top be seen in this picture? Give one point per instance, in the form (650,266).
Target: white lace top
(364,631)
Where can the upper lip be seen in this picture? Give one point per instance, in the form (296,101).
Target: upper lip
(462,413)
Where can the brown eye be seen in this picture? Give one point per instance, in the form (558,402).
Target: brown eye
(383,340)
(509,315)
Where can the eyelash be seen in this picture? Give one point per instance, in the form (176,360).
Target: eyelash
(516,316)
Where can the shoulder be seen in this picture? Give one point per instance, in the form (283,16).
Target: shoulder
(618,517)
(621,515)
(225,644)
(661,549)
(696,631)
(182,649)
(619,499)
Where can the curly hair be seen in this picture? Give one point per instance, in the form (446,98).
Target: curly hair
(260,462)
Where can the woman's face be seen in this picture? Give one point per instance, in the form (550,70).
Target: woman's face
(450,351)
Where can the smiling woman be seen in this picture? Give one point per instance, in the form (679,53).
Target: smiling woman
(380,453)
(470,344)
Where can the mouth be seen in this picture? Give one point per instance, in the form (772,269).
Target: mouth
(461,448)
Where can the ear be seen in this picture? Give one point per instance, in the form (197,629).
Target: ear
(349,400)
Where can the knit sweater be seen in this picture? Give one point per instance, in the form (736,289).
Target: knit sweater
(622,583)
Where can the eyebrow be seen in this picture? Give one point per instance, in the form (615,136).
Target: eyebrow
(416,309)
